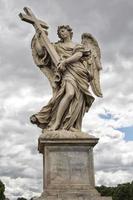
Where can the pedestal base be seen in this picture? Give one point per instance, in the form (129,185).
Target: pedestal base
(73,196)
(68,172)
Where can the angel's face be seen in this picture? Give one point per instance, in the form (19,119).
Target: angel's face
(64,33)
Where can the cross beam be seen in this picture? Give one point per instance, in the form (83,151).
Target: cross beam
(30,18)
(39,25)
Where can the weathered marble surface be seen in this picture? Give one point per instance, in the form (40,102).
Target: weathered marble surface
(68,171)
(71,69)
(65,137)
(67,167)
(60,134)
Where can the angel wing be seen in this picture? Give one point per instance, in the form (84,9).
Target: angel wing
(43,60)
(93,63)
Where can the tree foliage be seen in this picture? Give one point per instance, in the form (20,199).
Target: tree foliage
(2,190)
(120,192)
(106,191)
(124,192)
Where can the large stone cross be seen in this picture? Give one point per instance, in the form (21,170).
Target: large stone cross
(40,27)
(31,18)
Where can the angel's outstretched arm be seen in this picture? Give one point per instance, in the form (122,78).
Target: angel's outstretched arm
(74,58)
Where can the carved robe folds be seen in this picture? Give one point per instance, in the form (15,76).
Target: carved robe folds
(78,75)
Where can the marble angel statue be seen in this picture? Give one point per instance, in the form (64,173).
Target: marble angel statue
(71,69)
(79,68)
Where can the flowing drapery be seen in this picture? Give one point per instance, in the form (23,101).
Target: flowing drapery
(78,76)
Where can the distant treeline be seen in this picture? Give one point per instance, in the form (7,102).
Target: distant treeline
(120,192)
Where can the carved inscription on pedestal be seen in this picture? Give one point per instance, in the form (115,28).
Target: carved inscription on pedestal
(67,165)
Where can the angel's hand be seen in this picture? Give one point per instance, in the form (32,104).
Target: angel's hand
(61,66)
(38,31)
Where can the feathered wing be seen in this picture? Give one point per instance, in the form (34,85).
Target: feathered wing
(94,65)
(43,60)
(95,83)
(95,68)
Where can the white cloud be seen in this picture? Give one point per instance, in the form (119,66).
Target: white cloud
(24,90)
(111,179)
(18,187)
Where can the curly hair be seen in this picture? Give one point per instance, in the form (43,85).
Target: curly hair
(67,27)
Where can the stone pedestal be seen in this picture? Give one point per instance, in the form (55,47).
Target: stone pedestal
(68,171)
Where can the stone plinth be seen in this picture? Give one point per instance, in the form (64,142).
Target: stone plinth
(68,171)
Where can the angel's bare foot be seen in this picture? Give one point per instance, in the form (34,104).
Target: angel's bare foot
(73,129)
(54,127)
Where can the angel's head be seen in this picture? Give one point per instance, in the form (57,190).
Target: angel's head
(87,38)
(64,32)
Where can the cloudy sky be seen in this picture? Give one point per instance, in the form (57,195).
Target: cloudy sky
(24,90)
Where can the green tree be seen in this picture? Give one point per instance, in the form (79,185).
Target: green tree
(2,190)
(105,191)
(120,192)
(123,192)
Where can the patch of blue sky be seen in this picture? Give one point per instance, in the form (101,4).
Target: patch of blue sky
(128,132)
(106,116)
